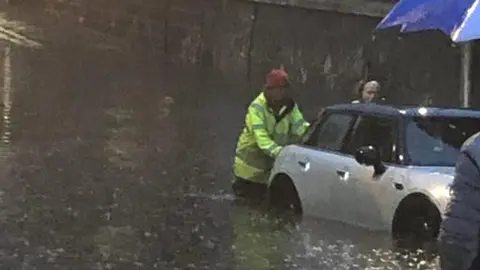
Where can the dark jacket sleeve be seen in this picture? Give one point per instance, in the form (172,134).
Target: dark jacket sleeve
(459,235)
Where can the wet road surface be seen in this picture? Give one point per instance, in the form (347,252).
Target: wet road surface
(110,160)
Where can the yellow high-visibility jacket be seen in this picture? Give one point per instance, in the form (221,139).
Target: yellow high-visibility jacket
(264,136)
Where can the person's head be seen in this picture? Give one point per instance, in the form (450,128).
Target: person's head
(276,85)
(369,91)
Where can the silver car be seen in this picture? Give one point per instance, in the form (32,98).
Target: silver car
(375,166)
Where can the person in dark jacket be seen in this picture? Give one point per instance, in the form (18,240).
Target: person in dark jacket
(460,229)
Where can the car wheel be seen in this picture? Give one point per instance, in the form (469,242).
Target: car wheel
(416,223)
(283,196)
(419,232)
(422,228)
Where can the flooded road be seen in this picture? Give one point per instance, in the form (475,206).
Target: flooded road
(117,161)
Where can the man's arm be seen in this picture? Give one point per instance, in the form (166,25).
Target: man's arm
(256,123)
(299,124)
(459,237)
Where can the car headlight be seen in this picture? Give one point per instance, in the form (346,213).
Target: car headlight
(448,190)
(442,192)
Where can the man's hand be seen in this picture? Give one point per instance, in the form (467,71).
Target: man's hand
(308,133)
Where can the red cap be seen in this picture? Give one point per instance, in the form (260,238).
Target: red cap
(277,78)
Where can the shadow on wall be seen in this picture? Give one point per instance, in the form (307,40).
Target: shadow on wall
(325,52)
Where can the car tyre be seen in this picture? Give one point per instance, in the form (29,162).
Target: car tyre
(283,196)
(416,223)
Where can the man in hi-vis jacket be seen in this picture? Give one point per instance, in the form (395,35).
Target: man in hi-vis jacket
(273,121)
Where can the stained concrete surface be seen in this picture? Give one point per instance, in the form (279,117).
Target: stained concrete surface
(113,160)
(326,52)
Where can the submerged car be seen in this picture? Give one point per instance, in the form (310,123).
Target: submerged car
(376,166)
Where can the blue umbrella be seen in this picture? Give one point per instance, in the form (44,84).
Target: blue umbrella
(459,19)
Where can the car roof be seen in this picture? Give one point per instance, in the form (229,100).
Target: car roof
(405,111)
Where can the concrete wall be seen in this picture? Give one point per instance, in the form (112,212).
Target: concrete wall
(325,51)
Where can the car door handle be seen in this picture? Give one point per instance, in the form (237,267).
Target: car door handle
(398,186)
(305,165)
(343,175)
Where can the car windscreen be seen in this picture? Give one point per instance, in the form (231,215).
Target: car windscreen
(436,141)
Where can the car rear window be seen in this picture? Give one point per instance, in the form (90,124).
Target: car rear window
(436,141)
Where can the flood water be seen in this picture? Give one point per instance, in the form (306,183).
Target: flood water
(111,160)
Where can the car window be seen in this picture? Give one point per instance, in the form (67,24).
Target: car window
(333,130)
(376,131)
(307,137)
(436,141)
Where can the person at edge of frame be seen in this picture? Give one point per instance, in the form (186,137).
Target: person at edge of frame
(459,239)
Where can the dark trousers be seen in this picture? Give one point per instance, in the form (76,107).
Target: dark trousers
(248,189)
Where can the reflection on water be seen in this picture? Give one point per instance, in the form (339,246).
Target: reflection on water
(269,243)
(7,96)
(14,32)
(125,164)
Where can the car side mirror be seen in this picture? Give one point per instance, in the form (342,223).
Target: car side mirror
(369,156)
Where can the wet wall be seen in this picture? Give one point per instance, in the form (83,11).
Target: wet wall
(325,51)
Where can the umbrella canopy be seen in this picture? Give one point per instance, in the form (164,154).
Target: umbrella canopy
(459,19)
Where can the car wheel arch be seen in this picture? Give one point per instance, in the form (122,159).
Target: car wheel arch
(414,205)
(283,187)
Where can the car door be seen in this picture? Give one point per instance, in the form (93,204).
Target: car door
(359,193)
(317,161)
